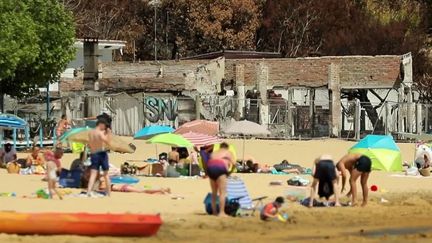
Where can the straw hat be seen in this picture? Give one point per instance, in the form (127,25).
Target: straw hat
(425,172)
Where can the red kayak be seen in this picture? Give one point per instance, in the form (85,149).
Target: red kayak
(79,224)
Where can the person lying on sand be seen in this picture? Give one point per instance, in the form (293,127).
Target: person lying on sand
(129,188)
(271,210)
(325,177)
(359,166)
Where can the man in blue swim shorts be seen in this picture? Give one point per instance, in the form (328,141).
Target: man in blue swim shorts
(99,138)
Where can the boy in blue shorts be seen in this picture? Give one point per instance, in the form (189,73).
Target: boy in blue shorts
(99,138)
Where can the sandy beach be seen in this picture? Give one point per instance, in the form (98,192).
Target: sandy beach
(404,218)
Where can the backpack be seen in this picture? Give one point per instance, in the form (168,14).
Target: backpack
(231,205)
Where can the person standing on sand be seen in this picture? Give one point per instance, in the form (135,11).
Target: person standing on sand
(62,126)
(218,171)
(98,138)
(359,166)
(325,177)
(173,156)
(53,167)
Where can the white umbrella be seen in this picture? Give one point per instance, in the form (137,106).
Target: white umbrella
(246,128)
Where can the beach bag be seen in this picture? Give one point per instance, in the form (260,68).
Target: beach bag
(231,205)
(13,168)
(70,178)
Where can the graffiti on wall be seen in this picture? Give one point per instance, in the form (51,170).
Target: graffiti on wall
(160,109)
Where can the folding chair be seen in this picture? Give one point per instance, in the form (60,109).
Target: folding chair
(236,190)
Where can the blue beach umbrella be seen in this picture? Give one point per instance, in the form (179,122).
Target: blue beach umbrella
(150,131)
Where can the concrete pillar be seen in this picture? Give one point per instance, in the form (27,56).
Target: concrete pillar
(401,110)
(357,120)
(197,107)
(289,119)
(426,124)
(334,100)
(262,80)
(410,110)
(419,118)
(388,120)
(241,98)
(312,111)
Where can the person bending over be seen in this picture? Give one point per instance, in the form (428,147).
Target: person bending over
(218,171)
(359,166)
(325,178)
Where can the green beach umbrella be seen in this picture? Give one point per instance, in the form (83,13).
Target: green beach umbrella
(170,139)
(382,150)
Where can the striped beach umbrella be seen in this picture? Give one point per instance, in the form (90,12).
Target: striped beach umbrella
(199,140)
(199,126)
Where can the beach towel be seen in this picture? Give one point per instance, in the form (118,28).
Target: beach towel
(298,181)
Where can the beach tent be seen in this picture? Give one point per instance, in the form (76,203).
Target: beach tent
(382,150)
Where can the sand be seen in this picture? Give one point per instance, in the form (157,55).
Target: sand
(406,217)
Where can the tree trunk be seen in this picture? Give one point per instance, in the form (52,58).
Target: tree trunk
(371,112)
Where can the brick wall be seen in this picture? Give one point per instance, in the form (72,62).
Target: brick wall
(355,71)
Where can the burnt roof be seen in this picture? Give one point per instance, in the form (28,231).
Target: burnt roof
(233,54)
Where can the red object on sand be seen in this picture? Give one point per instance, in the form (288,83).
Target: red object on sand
(374,188)
(79,224)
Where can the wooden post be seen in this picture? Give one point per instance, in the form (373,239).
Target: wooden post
(239,79)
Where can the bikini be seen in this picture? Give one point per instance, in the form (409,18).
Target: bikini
(216,168)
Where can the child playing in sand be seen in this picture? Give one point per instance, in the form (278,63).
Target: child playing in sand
(271,210)
(53,165)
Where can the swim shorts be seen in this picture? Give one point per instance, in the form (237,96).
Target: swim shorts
(216,168)
(99,160)
(363,164)
(325,172)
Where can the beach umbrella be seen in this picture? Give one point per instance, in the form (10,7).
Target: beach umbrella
(71,132)
(150,131)
(199,126)
(10,121)
(199,140)
(382,150)
(246,128)
(170,139)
